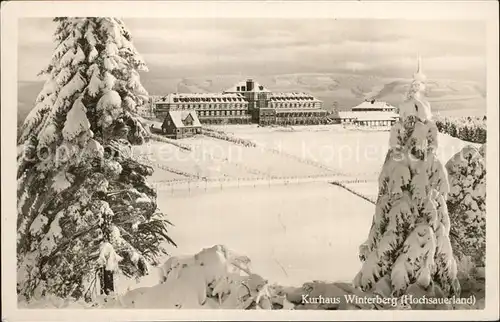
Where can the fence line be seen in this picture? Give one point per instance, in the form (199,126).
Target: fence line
(342,185)
(225,183)
(159,138)
(263,179)
(221,135)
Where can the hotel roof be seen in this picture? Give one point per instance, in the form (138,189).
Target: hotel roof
(201,97)
(373,104)
(234,94)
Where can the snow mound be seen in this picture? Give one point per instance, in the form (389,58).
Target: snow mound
(213,278)
(216,278)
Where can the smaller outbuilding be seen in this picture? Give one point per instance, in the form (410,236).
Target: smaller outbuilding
(181,124)
(370,113)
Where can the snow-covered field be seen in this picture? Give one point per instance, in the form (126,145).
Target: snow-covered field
(292,233)
(283,152)
(359,152)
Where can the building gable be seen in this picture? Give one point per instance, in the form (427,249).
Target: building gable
(188,121)
(182,119)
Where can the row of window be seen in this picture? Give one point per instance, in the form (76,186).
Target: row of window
(376,123)
(202,106)
(299,114)
(296,105)
(207,99)
(190,130)
(354,109)
(234,105)
(320,112)
(221,113)
(288,98)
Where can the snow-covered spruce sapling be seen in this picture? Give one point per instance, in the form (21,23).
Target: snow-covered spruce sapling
(408,243)
(467,203)
(83,202)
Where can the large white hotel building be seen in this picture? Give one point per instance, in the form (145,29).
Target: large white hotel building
(245,102)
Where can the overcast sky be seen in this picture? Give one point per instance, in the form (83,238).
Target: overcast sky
(200,47)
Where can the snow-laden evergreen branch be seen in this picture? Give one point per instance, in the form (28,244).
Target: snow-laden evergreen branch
(467,203)
(74,156)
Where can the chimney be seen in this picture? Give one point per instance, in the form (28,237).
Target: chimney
(250,84)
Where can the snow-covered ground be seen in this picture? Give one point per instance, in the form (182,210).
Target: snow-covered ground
(292,233)
(283,152)
(358,152)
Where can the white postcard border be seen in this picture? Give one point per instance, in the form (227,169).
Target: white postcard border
(445,10)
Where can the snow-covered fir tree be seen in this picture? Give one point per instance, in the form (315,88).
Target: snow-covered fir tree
(85,210)
(408,243)
(467,203)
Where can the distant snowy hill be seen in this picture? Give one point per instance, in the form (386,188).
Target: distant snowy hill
(347,90)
